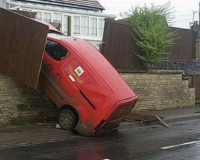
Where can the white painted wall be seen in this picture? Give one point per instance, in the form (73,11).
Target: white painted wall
(2,4)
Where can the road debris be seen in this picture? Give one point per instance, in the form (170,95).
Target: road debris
(144,118)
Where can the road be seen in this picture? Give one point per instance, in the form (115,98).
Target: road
(181,141)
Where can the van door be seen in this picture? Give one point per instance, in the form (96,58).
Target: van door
(55,57)
(82,77)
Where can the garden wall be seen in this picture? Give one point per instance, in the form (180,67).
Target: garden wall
(160,90)
(156,91)
(19,102)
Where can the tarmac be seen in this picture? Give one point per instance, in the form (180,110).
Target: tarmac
(32,134)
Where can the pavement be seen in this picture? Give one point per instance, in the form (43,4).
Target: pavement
(32,134)
(177,114)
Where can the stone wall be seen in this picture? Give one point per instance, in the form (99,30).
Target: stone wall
(160,90)
(155,91)
(18,101)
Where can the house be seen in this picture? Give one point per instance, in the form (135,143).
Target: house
(78,18)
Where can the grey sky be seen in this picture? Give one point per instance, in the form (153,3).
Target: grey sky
(183,9)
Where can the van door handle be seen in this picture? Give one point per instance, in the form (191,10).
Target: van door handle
(59,75)
(50,66)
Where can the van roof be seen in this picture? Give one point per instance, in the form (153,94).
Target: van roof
(58,36)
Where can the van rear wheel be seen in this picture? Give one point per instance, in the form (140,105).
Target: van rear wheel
(67,119)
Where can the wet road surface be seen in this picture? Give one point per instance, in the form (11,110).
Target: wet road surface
(181,141)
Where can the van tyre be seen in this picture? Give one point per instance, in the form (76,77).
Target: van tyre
(67,119)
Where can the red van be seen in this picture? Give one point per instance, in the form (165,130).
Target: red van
(91,95)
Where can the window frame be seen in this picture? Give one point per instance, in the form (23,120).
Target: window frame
(85,28)
(76,27)
(101,26)
(50,17)
(60,45)
(94,27)
(38,17)
(56,17)
(65,25)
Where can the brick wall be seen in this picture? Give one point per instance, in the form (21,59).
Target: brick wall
(17,100)
(160,90)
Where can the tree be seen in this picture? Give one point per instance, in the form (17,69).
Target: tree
(152,33)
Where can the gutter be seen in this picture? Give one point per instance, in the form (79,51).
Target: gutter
(42,8)
(60,4)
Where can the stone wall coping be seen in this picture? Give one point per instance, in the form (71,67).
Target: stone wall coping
(153,71)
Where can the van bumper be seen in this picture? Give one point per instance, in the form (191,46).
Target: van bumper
(111,122)
(118,113)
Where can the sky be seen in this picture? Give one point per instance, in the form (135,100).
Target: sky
(185,11)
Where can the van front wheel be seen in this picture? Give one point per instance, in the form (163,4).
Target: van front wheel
(67,119)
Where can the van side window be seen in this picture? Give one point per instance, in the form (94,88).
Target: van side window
(55,50)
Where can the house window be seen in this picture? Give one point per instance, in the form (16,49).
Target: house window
(76,25)
(101,27)
(85,26)
(39,16)
(47,17)
(94,26)
(57,18)
(65,24)
(12,6)
(7,5)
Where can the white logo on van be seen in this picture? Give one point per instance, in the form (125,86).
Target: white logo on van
(72,78)
(79,71)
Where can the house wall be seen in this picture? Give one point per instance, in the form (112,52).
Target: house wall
(84,24)
(83,29)
(2,3)
(160,90)
(18,101)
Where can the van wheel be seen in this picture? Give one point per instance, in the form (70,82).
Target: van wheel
(67,119)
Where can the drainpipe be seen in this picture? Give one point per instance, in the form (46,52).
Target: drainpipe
(69,32)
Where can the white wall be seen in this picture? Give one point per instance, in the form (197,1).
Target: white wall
(2,4)
(95,43)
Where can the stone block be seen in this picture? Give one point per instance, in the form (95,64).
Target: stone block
(160,91)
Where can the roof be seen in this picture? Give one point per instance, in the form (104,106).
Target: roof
(86,4)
